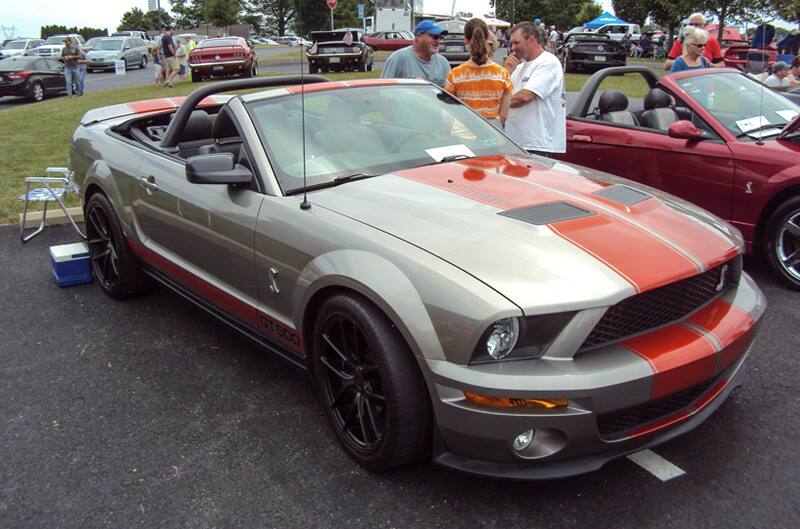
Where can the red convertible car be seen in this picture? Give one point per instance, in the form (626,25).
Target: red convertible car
(389,40)
(223,57)
(714,137)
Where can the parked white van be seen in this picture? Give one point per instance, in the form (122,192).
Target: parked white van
(618,31)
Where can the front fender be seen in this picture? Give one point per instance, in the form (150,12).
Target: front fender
(381,282)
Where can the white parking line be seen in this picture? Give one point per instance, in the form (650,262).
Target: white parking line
(656,465)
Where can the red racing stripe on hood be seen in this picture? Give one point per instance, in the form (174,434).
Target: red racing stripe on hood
(679,356)
(642,259)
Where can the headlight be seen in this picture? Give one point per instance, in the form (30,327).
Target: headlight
(502,338)
(519,338)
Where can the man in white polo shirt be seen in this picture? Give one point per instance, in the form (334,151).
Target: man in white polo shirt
(537,120)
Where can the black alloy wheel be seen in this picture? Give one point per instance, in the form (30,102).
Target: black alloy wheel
(782,246)
(369,383)
(114,265)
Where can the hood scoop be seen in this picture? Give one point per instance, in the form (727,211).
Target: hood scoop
(622,194)
(547,213)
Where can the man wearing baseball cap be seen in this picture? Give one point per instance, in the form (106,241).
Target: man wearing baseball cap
(421,60)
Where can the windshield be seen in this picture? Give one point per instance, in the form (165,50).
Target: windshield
(16,45)
(108,45)
(369,131)
(215,43)
(55,39)
(14,64)
(743,106)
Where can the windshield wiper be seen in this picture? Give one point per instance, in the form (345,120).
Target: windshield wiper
(351,177)
(762,127)
(454,157)
(333,183)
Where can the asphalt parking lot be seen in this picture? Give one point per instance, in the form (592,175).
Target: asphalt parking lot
(148,413)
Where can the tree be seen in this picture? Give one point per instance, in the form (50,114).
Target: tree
(133,19)
(223,13)
(312,15)
(89,33)
(736,10)
(278,13)
(788,10)
(156,20)
(561,13)
(669,13)
(588,11)
(189,13)
(633,11)
(55,29)
(346,13)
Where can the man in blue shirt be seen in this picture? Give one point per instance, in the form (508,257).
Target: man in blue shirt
(421,60)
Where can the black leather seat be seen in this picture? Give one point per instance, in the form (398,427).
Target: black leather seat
(658,113)
(196,133)
(225,135)
(613,107)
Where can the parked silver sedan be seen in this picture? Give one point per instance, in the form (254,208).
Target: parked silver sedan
(450,295)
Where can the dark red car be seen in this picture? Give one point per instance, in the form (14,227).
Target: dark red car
(389,40)
(223,57)
(714,137)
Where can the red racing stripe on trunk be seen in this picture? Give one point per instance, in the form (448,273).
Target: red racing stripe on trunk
(151,105)
(679,356)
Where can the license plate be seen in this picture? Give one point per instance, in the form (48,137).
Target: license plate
(599,58)
(334,59)
(218,68)
(453,49)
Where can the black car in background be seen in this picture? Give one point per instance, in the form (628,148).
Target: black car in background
(453,48)
(591,51)
(339,50)
(31,77)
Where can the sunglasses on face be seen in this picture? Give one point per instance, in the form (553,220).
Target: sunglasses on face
(435,37)
(701,46)
(697,24)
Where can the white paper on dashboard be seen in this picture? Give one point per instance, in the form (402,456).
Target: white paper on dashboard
(746,125)
(438,153)
(788,115)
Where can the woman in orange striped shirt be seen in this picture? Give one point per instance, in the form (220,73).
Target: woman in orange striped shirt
(480,82)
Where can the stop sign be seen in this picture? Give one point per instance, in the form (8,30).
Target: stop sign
(332,4)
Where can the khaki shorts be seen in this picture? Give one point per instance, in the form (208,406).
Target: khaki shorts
(172,64)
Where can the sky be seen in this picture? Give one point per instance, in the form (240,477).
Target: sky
(28,16)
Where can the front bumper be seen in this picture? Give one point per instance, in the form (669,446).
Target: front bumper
(616,398)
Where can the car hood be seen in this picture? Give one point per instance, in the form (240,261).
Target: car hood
(543,233)
(11,53)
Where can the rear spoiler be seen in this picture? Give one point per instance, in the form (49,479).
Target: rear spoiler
(146,106)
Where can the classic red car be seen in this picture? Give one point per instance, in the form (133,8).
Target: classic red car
(223,57)
(389,40)
(714,137)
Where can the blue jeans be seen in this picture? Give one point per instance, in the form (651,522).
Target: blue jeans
(70,76)
(81,78)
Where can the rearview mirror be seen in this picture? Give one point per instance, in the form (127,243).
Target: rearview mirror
(684,130)
(217,168)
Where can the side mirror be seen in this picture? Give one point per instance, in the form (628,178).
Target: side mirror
(216,169)
(684,130)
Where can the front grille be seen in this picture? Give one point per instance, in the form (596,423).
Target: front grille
(610,425)
(660,306)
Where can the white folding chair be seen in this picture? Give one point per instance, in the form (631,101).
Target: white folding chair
(54,189)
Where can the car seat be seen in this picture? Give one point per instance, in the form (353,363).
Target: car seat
(658,112)
(196,133)
(613,108)
(225,135)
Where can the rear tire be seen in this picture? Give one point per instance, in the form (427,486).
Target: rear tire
(143,62)
(196,77)
(370,385)
(114,265)
(37,92)
(782,242)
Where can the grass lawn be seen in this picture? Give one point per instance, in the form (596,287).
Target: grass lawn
(37,135)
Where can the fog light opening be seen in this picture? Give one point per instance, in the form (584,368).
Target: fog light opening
(523,441)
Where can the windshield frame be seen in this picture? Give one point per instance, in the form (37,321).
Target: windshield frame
(493,141)
(767,106)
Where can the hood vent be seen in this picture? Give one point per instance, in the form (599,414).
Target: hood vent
(547,213)
(623,194)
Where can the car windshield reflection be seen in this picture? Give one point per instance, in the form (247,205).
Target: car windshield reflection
(745,107)
(369,131)
(108,45)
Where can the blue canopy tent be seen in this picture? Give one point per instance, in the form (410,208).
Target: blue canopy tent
(605,18)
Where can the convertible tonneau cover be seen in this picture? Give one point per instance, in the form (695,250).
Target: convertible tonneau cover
(146,106)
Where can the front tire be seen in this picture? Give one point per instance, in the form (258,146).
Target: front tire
(114,265)
(782,242)
(369,384)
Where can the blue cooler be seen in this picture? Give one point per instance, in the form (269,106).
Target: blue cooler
(71,264)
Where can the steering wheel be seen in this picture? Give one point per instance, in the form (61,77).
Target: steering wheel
(408,137)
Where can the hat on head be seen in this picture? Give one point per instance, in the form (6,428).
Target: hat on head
(429,26)
(778,66)
(67,39)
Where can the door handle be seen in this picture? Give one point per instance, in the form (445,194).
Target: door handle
(582,137)
(149,183)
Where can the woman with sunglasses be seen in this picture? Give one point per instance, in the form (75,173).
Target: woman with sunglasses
(712,50)
(694,43)
(480,82)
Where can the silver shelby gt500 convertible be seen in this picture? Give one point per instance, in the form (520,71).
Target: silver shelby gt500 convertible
(450,296)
